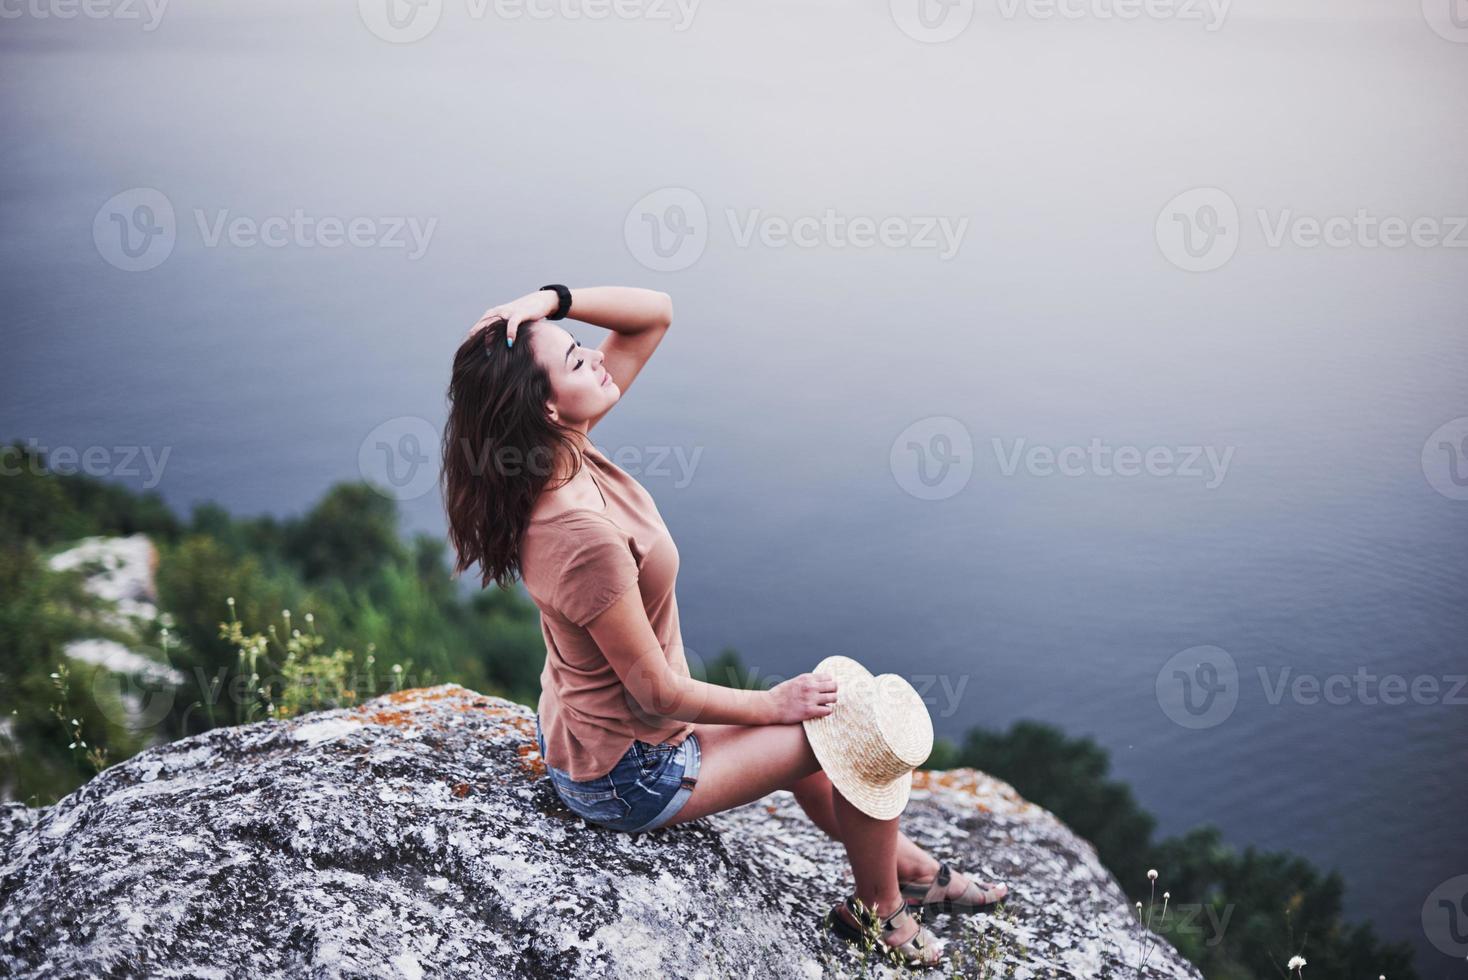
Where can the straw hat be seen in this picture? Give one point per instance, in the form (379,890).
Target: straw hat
(878,731)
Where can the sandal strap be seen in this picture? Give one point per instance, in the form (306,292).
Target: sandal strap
(918,943)
(889,924)
(915,947)
(867,917)
(930,891)
(935,891)
(890,919)
(988,892)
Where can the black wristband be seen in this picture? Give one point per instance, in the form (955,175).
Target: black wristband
(563,301)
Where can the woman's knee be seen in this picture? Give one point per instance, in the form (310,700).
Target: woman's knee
(814,784)
(817,779)
(810,767)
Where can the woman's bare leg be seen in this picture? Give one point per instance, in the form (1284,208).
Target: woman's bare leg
(871,847)
(813,791)
(815,794)
(743,763)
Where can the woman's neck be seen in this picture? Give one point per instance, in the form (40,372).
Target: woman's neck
(580,492)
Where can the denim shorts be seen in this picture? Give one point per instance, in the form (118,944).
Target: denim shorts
(644,790)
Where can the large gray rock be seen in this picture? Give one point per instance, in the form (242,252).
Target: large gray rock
(416,836)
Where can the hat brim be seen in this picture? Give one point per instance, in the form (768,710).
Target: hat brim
(827,737)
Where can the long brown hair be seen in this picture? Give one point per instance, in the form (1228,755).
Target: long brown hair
(500,449)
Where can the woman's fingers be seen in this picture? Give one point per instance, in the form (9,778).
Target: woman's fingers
(825,692)
(489,317)
(514,313)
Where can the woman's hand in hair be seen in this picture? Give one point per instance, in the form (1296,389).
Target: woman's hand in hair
(531,306)
(801,697)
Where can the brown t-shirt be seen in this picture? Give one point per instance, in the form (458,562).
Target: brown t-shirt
(575,565)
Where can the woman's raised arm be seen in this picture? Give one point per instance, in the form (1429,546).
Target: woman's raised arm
(637,318)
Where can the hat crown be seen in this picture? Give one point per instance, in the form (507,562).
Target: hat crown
(904,720)
(887,729)
(878,731)
(891,732)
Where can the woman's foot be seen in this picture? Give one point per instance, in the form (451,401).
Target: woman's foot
(948,890)
(907,938)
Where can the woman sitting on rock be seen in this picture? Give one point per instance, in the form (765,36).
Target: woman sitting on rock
(631,741)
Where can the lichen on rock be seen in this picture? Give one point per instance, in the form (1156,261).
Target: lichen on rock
(417,836)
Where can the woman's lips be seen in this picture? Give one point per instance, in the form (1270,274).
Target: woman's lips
(606,378)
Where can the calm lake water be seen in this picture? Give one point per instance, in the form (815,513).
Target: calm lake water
(906,450)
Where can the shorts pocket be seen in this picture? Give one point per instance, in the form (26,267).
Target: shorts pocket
(597,801)
(654,757)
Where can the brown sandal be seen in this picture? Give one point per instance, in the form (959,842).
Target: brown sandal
(979,896)
(922,948)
